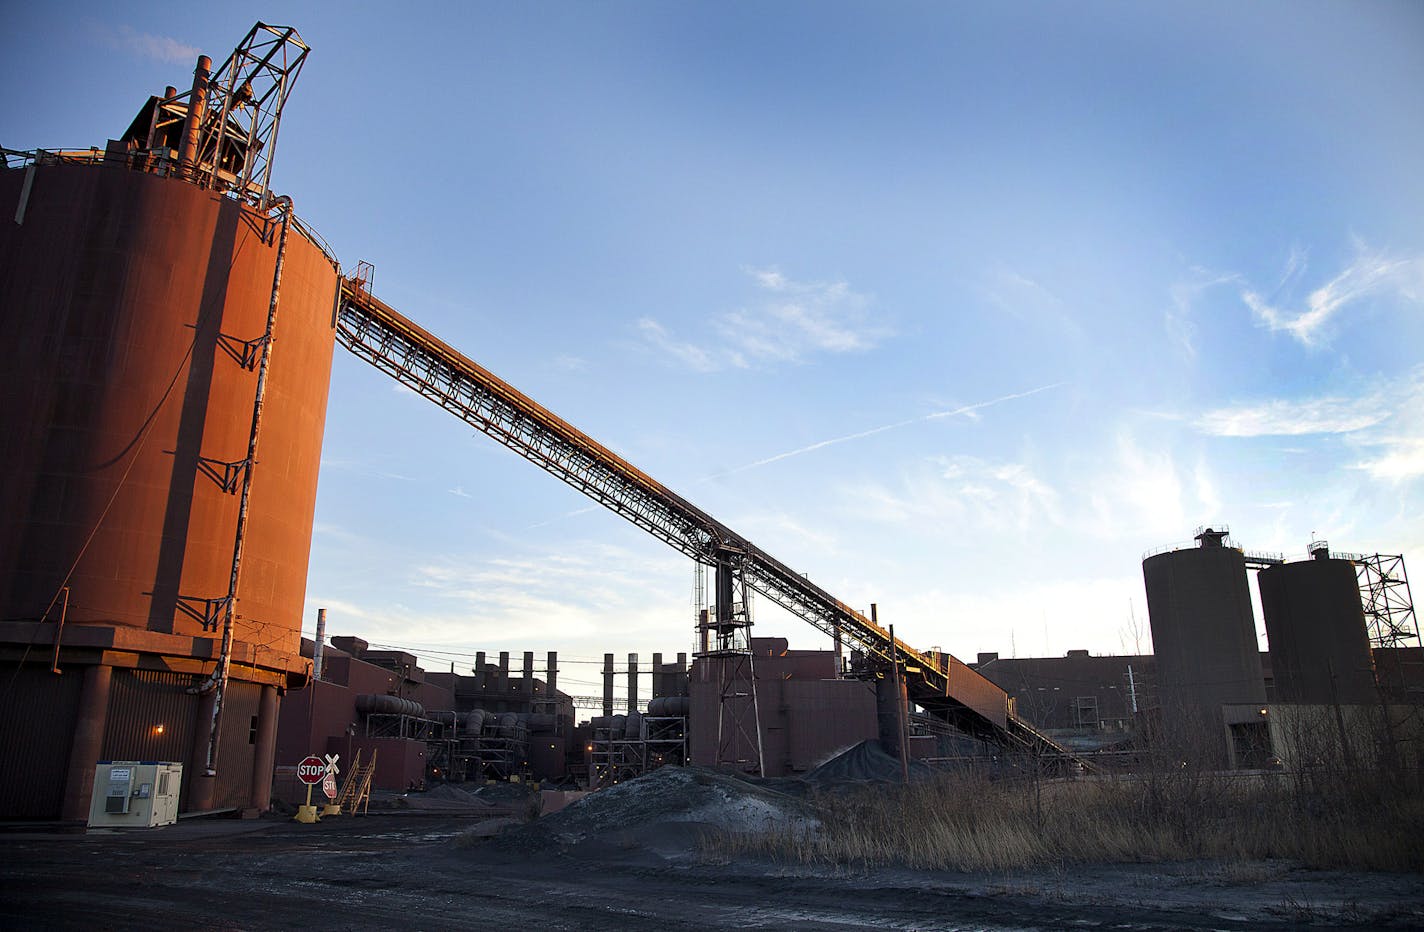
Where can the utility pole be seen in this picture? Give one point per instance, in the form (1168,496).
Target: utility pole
(901,712)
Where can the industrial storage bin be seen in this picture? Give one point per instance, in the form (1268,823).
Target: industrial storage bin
(135,794)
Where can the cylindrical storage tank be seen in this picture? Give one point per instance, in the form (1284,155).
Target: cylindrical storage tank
(1204,639)
(1315,627)
(133,308)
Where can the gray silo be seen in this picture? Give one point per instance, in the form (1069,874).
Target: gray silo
(1320,649)
(1204,638)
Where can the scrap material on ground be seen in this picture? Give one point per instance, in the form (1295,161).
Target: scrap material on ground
(418,870)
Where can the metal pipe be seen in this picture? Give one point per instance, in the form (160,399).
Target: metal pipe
(218,679)
(197,109)
(59,633)
(899,696)
(319,649)
(607,684)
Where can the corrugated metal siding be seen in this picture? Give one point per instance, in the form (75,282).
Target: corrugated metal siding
(150,716)
(235,745)
(37,712)
(978,693)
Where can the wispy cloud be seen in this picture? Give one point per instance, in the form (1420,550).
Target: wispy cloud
(1029,300)
(790,322)
(959,492)
(970,410)
(1370,274)
(1180,318)
(570,363)
(681,352)
(1396,448)
(1384,424)
(145,45)
(1293,418)
(459,492)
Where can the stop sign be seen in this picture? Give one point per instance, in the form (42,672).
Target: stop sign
(312,770)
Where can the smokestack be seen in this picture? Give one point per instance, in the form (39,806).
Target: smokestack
(170,92)
(479,668)
(318,649)
(551,672)
(632,683)
(658,689)
(528,686)
(503,671)
(607,684)
(197,107)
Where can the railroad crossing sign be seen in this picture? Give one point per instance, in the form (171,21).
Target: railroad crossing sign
(311,770)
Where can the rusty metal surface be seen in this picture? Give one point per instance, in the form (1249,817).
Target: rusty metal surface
(130,302)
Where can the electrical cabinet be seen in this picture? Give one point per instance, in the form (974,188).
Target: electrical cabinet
(135,794)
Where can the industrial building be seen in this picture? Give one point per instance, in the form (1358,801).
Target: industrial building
(420,726)
(173,324)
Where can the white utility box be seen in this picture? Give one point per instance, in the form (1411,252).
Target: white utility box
(135,794)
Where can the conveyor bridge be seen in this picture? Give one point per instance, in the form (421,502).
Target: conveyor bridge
(938,683)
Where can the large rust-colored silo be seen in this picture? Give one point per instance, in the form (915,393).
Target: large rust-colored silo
(1204,639)
(135,299)
(1315,626)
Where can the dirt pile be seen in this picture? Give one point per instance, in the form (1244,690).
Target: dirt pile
(866,762)
(667,810)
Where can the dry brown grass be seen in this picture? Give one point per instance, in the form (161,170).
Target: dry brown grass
(964,822)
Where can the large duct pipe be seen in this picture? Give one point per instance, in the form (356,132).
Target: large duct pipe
(318,648)
(632,683)
(607,684)
(197,107)
(264,752)
(388,705)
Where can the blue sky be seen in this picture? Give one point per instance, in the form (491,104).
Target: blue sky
(1062,281)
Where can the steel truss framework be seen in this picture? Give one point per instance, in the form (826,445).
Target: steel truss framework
(727,632)
(244,111)
(1388,604)
(616,757)
(380,335)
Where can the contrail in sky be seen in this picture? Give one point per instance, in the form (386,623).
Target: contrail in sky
(936,415)
(933,416)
